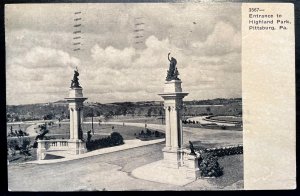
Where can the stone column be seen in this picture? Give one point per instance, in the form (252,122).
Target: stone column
(71,122)
(168,126)
(75,101)
(173,105)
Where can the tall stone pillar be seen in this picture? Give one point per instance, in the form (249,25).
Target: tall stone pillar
(173,105)
(75,100)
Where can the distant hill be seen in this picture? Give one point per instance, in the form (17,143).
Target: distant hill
(59,109)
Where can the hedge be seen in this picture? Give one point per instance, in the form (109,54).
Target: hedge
(114,139)
(223,151)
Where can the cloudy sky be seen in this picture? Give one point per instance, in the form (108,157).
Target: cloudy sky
(117,61)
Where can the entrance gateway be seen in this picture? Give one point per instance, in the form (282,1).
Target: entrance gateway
(174,154)
(75,145)
(179,166)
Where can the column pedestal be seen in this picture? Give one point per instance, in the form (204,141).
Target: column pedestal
(177,166)
(173,96)
(77,146)
(75,100)
(192,168)
(171,158)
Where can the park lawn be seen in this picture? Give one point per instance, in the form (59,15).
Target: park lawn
(137,119)
(217,127)
(227,118)
(100,131)
(232,171)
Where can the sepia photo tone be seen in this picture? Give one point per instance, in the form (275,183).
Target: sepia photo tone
(124,96)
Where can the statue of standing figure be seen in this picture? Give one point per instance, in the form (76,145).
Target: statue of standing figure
(172,72)
(75,81)
(192,148)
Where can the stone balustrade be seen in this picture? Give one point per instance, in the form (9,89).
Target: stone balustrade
(48,145)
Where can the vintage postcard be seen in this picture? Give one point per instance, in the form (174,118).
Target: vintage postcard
(150,96)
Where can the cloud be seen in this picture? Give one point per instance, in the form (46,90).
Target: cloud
(205,40)
(38,71)
(223,40)
(113,57)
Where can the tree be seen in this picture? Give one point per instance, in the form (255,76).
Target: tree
(149,112)
(17,118)
(89,136)
(148,132)
(48,116)
(156,133)
(12,146)
(116,138)
(208,109)
(25,148)
(108,115)
(155,112)
(98,113)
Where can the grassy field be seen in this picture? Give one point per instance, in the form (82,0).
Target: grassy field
(127,132)
(232,171)
(227,118)
(135,119)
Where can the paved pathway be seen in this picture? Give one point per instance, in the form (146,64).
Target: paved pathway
(128,144)
(110,171)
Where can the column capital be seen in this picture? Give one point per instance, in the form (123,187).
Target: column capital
(167,107)
(77,108)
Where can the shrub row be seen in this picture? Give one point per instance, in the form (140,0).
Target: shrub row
(149,133)
(223,151)
(114,139)
(190,122)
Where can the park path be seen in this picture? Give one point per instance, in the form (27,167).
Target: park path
(31,130)
(128,144)
(202,120)
(111,171)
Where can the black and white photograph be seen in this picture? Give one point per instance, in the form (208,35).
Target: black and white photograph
(124,96)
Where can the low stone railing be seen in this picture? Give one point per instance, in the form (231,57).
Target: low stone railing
(53,144)
(48,145)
